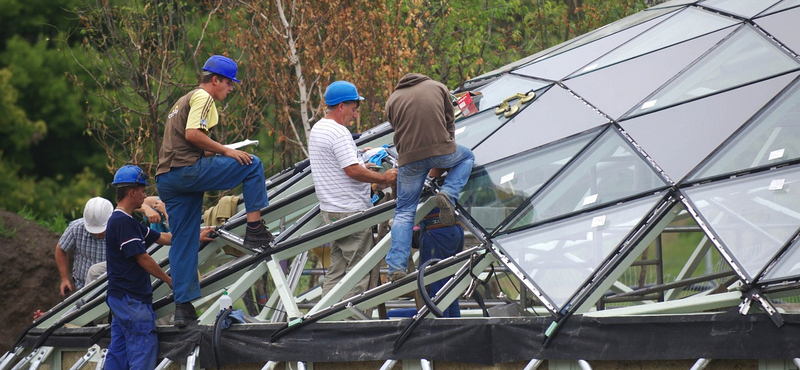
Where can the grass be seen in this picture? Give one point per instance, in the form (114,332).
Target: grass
(56,223)
(7,232)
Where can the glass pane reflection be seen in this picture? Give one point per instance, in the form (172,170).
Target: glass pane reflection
(771,138)
(788,266)
(495,190)
(753,216)
(472,130)
(745,57)
(687,24)
(742,8)
(559,257)
(495,92)
(607,172)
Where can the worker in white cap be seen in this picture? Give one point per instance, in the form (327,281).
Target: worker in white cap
(87,236)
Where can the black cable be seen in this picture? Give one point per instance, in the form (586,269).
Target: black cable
(424,292)
(215,339)
(479,299)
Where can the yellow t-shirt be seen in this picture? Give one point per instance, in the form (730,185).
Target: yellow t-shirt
(202,112)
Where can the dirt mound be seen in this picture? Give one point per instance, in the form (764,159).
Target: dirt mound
(29,279)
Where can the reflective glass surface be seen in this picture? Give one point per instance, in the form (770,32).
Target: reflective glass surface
(783,5)
(680,138)
(686,24)
(788,265)
(495,190)
(563,64)
(783,26)
(586,38)
(472,130)
(742,8)
(554,115)
(771,138)
(745,57)
(559,257)
(634,79)
(671,3)
(754,216)
(494,93)
(608,171)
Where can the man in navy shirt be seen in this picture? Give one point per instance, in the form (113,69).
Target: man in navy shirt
(134,341)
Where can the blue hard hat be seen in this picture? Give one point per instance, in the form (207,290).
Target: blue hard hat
(340,91)
(130,175)
(223,66)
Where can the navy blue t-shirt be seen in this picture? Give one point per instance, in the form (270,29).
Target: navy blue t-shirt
(125,238)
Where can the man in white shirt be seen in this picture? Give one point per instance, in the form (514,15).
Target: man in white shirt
(342,181)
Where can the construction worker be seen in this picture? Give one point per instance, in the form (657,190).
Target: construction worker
(342,181)
(437,240)
(87,236)
(421,112)
(189,165)
(134,341)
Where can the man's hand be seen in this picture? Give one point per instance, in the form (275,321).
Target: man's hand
(151,214)
(37,314)
(204,234)
(66,287)
(169,282)
(390,176)
(436,172)
(243,158)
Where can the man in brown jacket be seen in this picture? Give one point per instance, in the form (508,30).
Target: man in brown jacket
(421,113)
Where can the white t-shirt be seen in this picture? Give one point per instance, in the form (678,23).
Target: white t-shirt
(331,148)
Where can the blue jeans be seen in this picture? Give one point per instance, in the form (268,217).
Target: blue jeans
(442,243)
(134,341)
(182,190)
(410,180)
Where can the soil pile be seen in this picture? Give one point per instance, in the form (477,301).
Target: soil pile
(29,278)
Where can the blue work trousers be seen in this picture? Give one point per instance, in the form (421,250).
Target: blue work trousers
(134,341)
(182,189)
(410,180)
(442,243)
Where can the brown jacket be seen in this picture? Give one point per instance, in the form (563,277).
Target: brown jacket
(421,113)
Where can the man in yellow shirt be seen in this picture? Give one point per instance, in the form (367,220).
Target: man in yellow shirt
(188,166)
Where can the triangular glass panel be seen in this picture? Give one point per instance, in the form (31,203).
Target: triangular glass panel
(617,88)
(494,93)
(624,23)
(472,130)
(560,256)
(788,265)
(495,190)
(753,216)
(563,64)
(556,114)
(783,5)
(771,138)
(686,24)
(745,57)
(681,137)
(742,8)
(609,171)
(783,27)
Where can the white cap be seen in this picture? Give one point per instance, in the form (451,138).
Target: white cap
(96,214)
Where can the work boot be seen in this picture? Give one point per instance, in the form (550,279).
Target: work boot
(257,238)
(184,314)
(447,211)
(396,275)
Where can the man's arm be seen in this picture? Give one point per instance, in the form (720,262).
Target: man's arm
(361,173)
(201,140)
(61,262)
(166,238)
(150,265)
